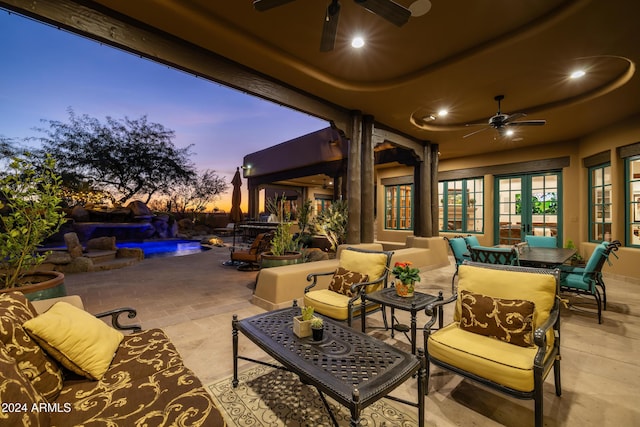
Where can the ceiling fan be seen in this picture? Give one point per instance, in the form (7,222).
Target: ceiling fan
(387,9)
(501,121)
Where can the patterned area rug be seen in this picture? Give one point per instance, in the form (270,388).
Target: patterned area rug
(274,397)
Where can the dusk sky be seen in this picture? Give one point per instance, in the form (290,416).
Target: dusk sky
(45,71)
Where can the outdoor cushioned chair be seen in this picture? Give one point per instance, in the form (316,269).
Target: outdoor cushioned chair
(541,241)
(251,256)
(460,253)
(359,271)
(471,240)
(505,332)
(588,280)
(491,255)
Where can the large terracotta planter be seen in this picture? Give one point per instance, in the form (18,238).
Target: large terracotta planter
(268,260)
(44,285)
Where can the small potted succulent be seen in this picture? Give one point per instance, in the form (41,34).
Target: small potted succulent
(317,328)
(406,278)
(302,323)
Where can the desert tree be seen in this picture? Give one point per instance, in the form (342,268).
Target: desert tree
(129,158)
(195,194)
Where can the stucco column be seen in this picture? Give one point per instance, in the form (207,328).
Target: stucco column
(423,175)
(435,149)
(354,174)
(368,182)
(253,201)
(427,191)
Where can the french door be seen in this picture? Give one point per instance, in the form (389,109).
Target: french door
(528,204)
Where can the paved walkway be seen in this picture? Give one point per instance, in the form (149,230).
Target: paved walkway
(194,297)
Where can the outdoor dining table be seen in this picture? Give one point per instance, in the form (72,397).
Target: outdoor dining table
(545,257)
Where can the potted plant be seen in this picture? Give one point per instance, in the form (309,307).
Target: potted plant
(317,328)
(406,278)
(285,248)
(576,259)
(30,194)
(302,323)
(332,223)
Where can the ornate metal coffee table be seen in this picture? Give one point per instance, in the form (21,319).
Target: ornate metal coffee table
(352,368)
(388,298)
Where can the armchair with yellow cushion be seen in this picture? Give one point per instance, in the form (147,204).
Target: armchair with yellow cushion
(359,270)
(505,332)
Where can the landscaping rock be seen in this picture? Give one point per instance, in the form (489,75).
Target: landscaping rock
(102,243)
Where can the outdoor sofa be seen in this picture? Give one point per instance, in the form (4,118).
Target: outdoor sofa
(65,367)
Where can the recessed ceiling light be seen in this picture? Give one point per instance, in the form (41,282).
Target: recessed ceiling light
(357,42)
(577,74)
(442,113)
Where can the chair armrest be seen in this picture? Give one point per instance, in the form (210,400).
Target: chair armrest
(432,310)
(314,277)
(115,322)
(540,334)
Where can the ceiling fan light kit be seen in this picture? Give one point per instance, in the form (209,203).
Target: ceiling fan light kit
(386,9)
(500,121)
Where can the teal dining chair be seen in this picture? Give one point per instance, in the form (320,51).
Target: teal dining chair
(541,241)
(588,280)
(493,255)
(471,241)
(460,253)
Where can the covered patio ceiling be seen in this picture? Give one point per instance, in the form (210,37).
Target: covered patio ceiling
(457,56)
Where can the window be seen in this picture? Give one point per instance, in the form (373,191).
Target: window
(398,207)
(632,167)
(600,203)
(464,207)
(322,204)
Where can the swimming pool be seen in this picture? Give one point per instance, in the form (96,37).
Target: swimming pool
(165,248)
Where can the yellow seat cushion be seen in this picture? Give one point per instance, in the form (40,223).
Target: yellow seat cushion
(329,303)
(333,304)
(79,341)
(497,361)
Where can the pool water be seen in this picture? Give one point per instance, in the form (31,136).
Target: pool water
(165,248)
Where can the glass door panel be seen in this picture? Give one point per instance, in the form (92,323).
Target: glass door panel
(544,205)
(527,204)
(509,210)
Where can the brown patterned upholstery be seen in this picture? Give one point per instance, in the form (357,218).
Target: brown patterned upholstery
(40,369)
(146,384)
(343,279)
(16,389)
(507,320)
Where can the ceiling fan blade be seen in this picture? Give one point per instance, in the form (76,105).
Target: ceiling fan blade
(514,116)
(477,131)
(528,123)
(262,5)
(330,27)
(387,9)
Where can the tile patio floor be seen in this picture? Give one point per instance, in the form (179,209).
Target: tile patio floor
(194,297)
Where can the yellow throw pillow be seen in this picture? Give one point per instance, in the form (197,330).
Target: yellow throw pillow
(79,341)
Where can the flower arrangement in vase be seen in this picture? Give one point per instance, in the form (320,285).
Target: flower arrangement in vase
(406,278)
